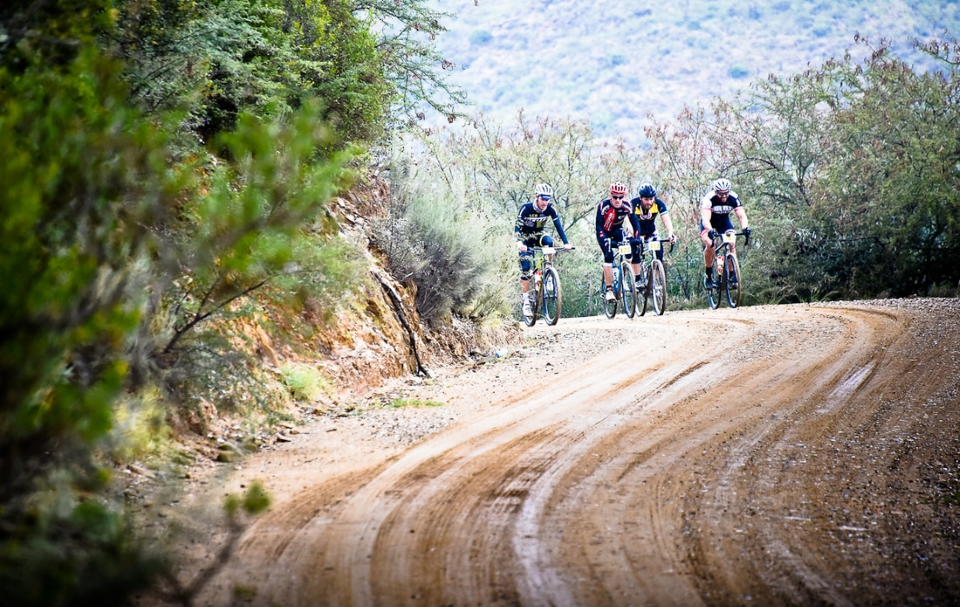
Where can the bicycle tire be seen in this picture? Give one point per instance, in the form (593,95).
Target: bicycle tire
(609,307)
(628,288)
(732,280)
(658,287)
(550,296)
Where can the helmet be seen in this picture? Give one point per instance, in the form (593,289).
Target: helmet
(647,191)
(721,185)
(618,188)
(544,190)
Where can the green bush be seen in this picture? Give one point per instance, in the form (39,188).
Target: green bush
(305,382)
(454,253)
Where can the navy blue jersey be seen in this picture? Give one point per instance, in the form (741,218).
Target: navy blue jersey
(610,219)
(648,219)
(530,221)
(717,207)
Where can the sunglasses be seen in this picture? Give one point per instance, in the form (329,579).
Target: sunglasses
(617,197)
(542,197)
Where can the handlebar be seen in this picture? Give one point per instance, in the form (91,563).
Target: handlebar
(719,236)
(554,250)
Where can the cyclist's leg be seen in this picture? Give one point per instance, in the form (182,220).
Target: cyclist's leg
(607,251)
(635,255)
(546,241)
(526,264)
(708,252)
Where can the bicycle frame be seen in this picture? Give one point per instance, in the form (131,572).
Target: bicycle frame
(622,282)
(726,272)
(547,295)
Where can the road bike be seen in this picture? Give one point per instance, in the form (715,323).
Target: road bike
(545,287)
(624,287)
(653,278)
(727,280)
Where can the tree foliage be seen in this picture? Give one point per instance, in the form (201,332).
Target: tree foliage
(162,160)
(849,172)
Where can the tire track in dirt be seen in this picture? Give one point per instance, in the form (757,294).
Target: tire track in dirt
(674,468)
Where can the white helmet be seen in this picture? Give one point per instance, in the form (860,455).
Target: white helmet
(721,185)
(544,190)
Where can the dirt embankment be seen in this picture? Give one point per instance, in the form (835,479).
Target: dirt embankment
(788,455)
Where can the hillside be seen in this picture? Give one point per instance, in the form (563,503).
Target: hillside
(614,61)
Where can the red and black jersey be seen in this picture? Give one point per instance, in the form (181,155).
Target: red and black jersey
(610,219)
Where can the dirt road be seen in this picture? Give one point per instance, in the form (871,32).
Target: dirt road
(790,455)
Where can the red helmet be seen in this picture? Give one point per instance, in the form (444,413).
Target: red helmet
(618,189)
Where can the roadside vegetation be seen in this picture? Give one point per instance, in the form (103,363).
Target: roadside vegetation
(850,172)
(167,167)
(166,170)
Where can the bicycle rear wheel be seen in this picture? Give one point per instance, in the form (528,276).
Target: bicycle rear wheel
(609,307)
(732,281)
(628,288)
(550,295)
(658,287)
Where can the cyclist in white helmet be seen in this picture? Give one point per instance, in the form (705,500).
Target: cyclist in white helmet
(715,209)
(531,219)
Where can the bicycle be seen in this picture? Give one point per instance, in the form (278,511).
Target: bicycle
(654,285)
(624,286)
(546,287)
(726,270)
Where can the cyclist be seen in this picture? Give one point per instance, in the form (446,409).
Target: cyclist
(528,230)
(610,215)
(715,208)
(647,206)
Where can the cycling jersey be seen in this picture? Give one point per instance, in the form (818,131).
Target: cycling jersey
(720,210)
(530,222)
(610,219)
(609,225)
(647,219)
(717,207)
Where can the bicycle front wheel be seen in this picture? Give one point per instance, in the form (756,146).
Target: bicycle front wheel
(732,281)
(658,287)
(550,295)
(609,306)
(628,287)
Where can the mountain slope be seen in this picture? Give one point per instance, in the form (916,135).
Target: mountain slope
(613,61)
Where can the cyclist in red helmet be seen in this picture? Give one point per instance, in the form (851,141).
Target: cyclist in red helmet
(610,215)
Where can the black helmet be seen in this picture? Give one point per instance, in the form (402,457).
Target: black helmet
(647,191)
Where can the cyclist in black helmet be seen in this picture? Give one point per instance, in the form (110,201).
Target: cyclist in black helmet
(648,206)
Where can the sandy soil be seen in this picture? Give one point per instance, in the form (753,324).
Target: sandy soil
(789,455)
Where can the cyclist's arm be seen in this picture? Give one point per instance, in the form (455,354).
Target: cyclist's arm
(705,215)
(742,216)
(635,224)
(557,224)
(599,221)
(518,232)
(667,223)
